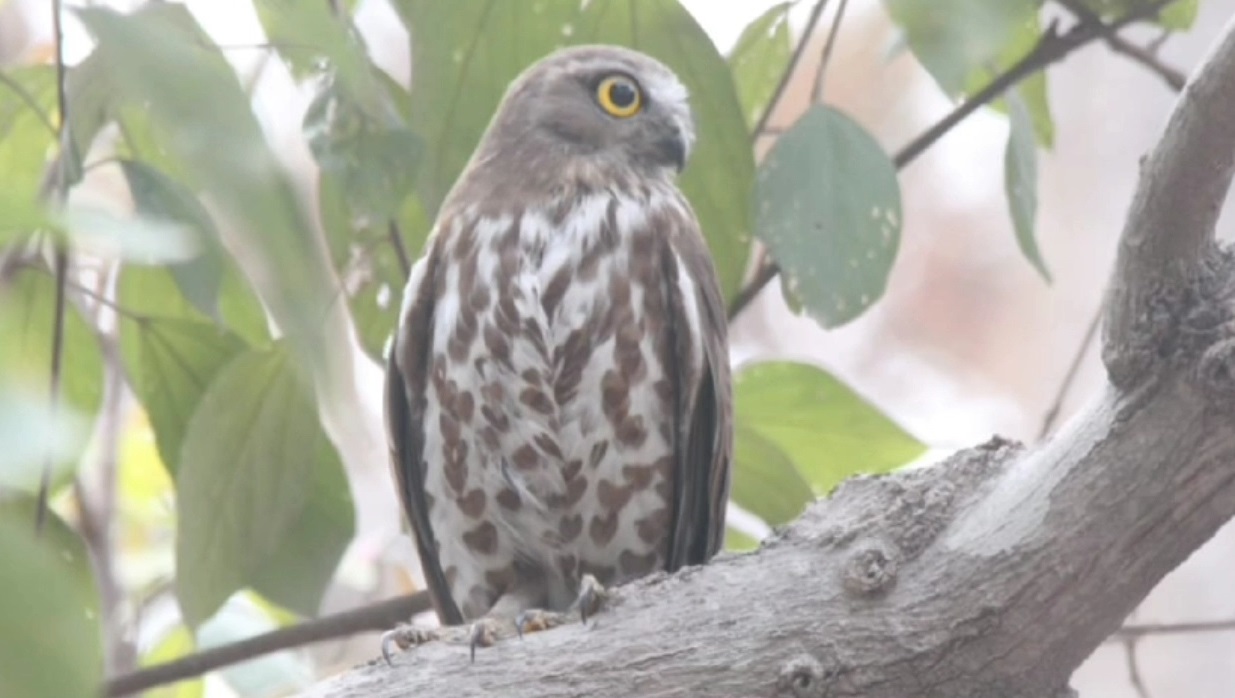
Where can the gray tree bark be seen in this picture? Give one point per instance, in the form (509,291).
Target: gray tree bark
(992,574)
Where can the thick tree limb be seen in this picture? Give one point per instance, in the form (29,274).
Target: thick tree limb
(994,573)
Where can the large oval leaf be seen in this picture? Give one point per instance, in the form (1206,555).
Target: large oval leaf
(159,197)
(827,430)
(255,467)
(829,208)
(170,363)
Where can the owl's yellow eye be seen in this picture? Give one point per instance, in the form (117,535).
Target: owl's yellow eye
(619,96)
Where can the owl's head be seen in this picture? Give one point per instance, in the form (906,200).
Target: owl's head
(605,102)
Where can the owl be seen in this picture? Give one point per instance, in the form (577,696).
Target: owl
(558,396)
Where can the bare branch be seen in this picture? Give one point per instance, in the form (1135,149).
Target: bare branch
(1173,77)
(1170,225)
(374,617)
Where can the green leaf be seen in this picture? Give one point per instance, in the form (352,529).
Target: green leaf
(367,260)
(719,179)
(737,542)
(307,34)
(472,49)
(27,132)
(251,492)
(296,574)
(170,363)
(27,306)
(53,643)
(826,429)
(88,89)
(765,481)
(964,44)
(828,207)
(759,59)
(374,159)
(158,196)
(154,292)
(1179,15)
(191,92)
(1020,181)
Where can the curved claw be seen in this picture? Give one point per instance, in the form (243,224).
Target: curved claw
(388,637)
(521,622)
(478,637)
(591,596)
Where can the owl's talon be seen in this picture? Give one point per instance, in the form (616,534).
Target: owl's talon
(592,596)
(404,637)
(534,620)
(482,634)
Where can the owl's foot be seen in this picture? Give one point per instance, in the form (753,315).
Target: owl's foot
(592,597)
(486,631)
(405,636)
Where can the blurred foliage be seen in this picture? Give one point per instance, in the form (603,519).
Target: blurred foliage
(52,642)
(217,285)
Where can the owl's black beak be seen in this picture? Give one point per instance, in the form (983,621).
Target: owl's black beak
(673,149)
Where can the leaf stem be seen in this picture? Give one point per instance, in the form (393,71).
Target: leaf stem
(816,93)
(815,14)
(55,186)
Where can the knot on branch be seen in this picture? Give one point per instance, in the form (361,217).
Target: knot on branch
(1215,373)
(805,676)
(1170,321)
(871,570)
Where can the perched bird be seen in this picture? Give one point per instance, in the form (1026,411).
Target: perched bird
(558,396)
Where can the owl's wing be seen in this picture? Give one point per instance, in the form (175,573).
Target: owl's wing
(406,380)
(699,367)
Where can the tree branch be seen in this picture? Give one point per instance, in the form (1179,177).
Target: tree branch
(994,573)
(1173,77)
(375,617)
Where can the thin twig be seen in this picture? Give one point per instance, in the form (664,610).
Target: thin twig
(1144,629)
(396,241)
(1173,77)
(31,103)
(1052,413)
(811,22)
(1134,668)
(54,185)
(816,92)
(374,617)
(1051,48)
